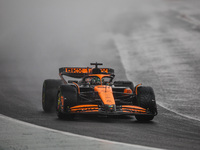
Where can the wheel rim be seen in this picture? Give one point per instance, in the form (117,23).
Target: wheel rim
(58,102)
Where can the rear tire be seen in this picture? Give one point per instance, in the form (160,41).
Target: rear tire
(49,92)
(146,99)
(69,94)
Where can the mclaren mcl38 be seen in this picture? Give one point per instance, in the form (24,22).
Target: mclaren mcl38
(95,92)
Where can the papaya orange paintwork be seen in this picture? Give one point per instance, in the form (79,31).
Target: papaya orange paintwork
(128,91)
(84,108)
(137,88)
(77,87)
(105,93)
(135,109)
(83,70)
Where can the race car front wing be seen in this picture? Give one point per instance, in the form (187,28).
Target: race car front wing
(110,110)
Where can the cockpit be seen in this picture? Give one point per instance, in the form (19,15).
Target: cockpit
(97,80)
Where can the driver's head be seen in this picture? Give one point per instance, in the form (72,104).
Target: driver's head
(95,81)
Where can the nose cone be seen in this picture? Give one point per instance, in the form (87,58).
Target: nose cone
(106,94)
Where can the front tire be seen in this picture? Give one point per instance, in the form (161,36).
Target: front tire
(49,92)
(66,98)
(146,99)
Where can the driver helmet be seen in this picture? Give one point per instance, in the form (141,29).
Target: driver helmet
(95,81)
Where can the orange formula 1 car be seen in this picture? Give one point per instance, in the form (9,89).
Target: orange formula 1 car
(96,93)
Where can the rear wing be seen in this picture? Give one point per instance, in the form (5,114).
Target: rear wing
(81,72)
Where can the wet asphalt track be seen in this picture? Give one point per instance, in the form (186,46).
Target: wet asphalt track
(32,52)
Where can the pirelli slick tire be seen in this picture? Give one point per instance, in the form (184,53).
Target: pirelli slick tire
(49,94)
(66,98)
(125,84)
(146,99)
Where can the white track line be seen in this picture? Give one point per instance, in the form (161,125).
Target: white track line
(76,135)
(180,114)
